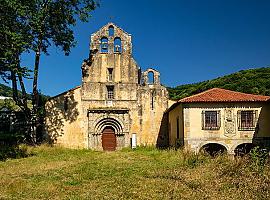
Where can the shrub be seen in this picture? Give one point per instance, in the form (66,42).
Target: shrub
(258,158)
(193,160)
(13,151)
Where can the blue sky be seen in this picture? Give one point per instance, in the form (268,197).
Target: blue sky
(186,40)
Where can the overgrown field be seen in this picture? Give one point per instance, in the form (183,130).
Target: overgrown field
(145,173)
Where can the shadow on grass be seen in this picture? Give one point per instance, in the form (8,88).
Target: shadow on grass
(14,151)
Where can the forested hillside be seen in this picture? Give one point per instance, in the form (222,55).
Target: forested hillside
(254,81)
(5,91)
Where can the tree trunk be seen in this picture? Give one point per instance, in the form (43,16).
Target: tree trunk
(14,86)
(24,97)
(21,100)
(35,79)
(35,98)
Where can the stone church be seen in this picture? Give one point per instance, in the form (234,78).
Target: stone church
(115,99)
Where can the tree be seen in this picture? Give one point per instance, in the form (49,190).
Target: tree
(35,25)
(15,39)
(51,22)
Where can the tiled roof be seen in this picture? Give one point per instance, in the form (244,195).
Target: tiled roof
(222,95)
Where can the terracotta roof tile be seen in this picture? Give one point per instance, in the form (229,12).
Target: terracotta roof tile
(222,95)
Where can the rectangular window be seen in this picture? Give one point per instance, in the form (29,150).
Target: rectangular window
(247,119)
(110,74)
(210,120)
(110,92)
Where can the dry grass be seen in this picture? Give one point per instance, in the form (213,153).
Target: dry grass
(58,173)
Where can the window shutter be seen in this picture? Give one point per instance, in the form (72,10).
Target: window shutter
(255,118)
(218,119)
(203,121)
(239,119)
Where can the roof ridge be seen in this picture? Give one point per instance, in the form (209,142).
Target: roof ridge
(194,95)
(244,93)
(222,95)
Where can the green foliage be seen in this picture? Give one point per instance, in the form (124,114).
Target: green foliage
(9,104)
(11,138)
(192,160)
(258,158)
(15,36)
(253,81)
(5,91)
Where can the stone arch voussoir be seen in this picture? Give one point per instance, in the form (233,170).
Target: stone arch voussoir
(115,123)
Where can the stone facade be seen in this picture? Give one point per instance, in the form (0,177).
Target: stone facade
(114,93)
(187,124)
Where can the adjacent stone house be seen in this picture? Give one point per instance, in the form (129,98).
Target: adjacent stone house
(220,119)
(116,99)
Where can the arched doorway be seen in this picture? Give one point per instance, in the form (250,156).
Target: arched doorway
(108,139)
(213,149)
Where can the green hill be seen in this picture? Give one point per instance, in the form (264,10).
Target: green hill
(254,81)
(5,90)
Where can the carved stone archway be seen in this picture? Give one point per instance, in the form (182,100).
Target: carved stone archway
(99,119)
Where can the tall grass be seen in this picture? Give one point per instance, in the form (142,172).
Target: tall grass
(143,173)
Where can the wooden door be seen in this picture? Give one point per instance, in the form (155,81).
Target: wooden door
(108,139)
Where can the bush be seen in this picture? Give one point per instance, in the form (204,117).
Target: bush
(13,152)
(258,158)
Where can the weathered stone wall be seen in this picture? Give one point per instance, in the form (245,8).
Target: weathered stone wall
(136,107)
(64,119)
(129,92)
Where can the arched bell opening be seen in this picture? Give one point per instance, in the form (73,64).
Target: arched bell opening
(213,149)
(111,30)
(104,45)
(117,45)
(151,78)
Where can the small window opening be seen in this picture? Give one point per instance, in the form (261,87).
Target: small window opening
(117,45)
(111,31)
(139,76)
(104,45)
(110,74)
(247,119)
(151,78)
(110,92)
(210,120)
